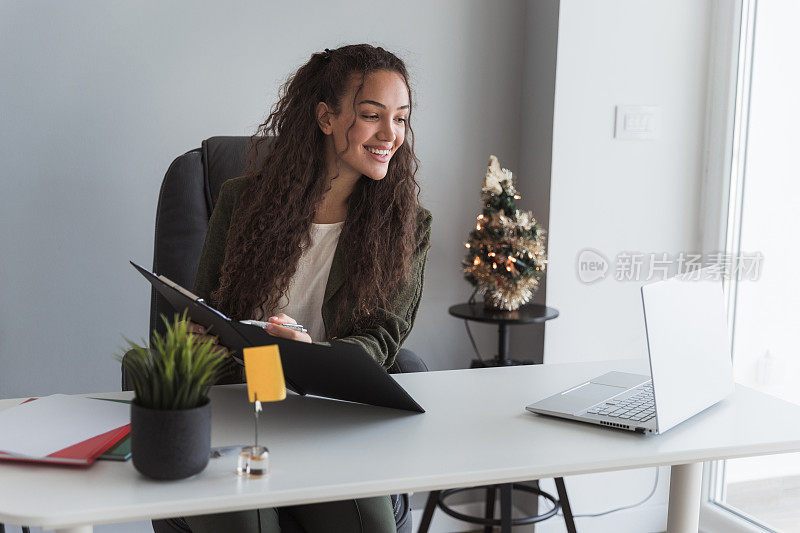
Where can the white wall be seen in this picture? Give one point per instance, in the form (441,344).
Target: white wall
(99,97)
(614,195)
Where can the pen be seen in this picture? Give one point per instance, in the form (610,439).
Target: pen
(296,327)
(219,451)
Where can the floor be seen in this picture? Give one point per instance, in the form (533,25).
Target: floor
(775,502)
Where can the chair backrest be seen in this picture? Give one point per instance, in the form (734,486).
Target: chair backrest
(185,203)
(187,198)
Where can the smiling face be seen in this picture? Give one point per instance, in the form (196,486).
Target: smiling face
(375,129)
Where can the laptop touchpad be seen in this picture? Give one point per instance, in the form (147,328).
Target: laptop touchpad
(591,393)
(578,398)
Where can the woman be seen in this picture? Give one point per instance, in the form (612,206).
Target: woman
(327,231)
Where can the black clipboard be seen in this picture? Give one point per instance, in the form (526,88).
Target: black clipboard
(343,371)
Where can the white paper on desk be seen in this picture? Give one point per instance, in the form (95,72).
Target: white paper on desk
(52,423)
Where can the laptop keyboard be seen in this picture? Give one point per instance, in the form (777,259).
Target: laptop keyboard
(638,407)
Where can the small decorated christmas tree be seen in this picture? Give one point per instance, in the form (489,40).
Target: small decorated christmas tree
(506,253)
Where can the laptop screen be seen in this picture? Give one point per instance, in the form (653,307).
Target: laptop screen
(690,354)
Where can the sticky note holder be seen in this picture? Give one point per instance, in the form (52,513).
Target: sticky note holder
(265,383)
(264,374)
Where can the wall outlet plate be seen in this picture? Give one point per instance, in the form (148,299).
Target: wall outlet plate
(637,122)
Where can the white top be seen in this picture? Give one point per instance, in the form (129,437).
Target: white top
(303,300)
(324,450)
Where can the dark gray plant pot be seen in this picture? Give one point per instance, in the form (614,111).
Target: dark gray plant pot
(170,444)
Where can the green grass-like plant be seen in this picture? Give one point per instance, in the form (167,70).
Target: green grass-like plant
(177,371)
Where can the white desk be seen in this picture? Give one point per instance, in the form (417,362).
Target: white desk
(325,450)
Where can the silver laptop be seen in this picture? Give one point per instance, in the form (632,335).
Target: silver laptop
(690,364)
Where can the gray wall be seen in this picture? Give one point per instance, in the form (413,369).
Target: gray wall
(536,143)
(99,97)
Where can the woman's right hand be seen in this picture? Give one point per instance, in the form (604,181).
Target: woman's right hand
(199,330)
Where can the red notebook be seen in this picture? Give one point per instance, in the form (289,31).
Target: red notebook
(81,454)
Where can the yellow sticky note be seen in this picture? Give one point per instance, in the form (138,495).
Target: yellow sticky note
(262,367)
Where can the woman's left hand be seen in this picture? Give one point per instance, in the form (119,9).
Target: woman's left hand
(274,328)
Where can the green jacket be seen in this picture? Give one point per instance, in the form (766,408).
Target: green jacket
(381,341)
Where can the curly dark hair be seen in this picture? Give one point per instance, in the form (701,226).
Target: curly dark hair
(271,223)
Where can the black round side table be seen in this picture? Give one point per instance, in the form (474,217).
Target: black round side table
(526,314)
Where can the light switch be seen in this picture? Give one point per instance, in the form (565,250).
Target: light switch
(641,122)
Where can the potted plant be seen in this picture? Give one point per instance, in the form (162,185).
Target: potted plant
(171,412)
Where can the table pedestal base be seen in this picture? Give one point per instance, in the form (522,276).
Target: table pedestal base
(685,485)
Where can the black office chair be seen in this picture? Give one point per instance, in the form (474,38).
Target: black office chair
(24,529)
(188,194)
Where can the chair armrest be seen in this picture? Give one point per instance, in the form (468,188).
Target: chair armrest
(407,362)
(127,385)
